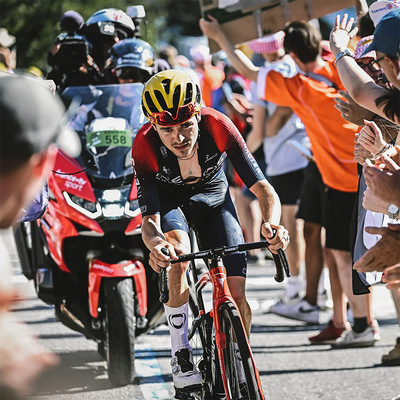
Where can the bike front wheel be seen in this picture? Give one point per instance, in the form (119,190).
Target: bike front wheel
(241,374)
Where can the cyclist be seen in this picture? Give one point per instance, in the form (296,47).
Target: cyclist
(178,159)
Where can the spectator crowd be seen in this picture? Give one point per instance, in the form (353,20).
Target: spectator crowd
(322,121)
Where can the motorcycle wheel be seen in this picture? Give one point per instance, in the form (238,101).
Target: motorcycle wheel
(120,330)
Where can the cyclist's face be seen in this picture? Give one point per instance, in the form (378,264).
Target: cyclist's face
(180,139)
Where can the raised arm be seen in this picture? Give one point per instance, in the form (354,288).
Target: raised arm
(357,82)
(212,29)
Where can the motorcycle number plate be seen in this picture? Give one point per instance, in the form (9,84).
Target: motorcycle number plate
(109,138)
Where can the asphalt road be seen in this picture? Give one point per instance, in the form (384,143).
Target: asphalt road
(290,368)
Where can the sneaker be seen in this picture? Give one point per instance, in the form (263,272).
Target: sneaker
(393,357)
(184,373)
(300,311)
(353,339)
(325,302)
(377,330)
(329,335)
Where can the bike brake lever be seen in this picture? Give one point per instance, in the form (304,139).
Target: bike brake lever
(164,288)
(281,264)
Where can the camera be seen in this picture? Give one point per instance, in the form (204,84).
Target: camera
(74,51)
(137,13)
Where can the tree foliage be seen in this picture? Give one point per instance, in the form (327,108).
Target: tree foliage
(35,23)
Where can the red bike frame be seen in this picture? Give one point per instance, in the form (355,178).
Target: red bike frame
(221,294)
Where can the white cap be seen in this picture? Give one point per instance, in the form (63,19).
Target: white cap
(380,8)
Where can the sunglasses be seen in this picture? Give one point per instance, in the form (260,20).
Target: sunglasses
(132,74)
(373,66)
(165,118)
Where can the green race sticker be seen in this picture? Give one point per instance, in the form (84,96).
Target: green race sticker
(109,138)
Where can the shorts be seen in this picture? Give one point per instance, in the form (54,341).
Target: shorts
(312,196)
(210,212)
(289,186)
(327,207)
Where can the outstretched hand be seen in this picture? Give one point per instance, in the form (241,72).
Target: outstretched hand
(341,34)
(371,138)
(210,27)
(350,110)
(385,253)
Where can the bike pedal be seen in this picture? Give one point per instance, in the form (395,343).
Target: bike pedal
(189,393)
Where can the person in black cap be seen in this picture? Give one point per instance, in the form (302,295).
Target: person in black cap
(30,125)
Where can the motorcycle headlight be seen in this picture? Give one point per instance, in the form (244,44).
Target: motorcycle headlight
(132,208)
(88,208)
(113,211)
(111,196)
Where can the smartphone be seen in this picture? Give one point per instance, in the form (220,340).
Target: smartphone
(304,151)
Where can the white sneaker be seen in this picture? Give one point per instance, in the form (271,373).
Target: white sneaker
(184,372)
(352,339)
(300,311)
(325,301)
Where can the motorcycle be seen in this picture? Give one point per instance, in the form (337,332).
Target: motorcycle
(85,254)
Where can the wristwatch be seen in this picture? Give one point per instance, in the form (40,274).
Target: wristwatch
(343,54)
(393,211)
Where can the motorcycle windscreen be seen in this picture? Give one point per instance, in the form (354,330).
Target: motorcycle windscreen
(107,118)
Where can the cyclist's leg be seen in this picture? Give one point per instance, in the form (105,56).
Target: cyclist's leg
(219,226)
(185,375)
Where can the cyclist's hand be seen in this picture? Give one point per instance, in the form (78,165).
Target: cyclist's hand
(159,258)
(278,241)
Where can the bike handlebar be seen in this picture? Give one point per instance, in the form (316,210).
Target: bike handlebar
(281,263)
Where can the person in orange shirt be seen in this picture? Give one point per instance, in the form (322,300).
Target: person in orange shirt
(210,77)
(311,91)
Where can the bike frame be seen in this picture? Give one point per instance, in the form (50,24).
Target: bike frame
(216,275)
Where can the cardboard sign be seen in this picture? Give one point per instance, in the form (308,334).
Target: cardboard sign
(245,20)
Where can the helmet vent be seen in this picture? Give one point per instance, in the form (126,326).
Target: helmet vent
(189,93)
(150,104)
(167,85)
(160,99)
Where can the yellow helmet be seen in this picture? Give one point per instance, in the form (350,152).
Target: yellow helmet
(171,98)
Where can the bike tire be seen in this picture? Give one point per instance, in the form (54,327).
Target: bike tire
(120,330)
(232,327)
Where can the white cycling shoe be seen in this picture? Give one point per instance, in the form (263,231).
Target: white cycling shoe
(184,373)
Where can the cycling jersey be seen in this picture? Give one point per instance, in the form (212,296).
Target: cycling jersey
(156,166)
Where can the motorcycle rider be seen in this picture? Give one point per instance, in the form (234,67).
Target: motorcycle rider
(131,61)
(79,55)
(178,159)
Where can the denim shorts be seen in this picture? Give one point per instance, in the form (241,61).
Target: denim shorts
(210,212)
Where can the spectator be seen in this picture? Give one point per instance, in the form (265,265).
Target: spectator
(368,144)
(274,127)
(313,88)
(210,77)
(8,54)
(29,124)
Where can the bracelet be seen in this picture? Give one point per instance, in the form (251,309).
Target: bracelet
(342,54)
(382,149)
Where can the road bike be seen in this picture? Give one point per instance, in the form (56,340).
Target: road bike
(226,360)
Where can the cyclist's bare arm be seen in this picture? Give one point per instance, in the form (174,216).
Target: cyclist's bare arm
(155,241)
(271,211)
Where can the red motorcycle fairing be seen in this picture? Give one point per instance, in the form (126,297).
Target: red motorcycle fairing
(99,269)
(57,220)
